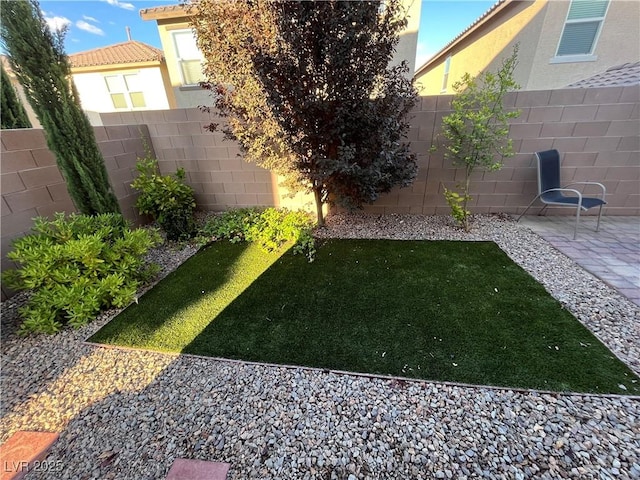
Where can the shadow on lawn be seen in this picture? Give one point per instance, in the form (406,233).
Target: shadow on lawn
(180,298)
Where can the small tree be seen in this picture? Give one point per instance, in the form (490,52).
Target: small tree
(37,57)
(12,111)
(477,130)
(311,94)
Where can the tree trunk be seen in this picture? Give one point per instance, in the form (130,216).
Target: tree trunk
(467,184)
(317,193)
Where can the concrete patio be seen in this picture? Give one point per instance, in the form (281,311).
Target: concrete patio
(612,254)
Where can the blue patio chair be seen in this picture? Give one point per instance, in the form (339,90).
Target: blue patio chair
(551,193)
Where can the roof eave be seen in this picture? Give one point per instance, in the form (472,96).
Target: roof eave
(116,66)
(162,13)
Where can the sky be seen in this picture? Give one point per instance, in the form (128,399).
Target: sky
(98,23)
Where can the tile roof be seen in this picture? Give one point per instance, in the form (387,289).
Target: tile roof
(618,76)
(126,52)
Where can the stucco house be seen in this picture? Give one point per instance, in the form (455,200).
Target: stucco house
(126,76)
(561,42)
(184,59)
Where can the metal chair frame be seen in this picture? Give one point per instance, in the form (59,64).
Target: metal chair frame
(562,200)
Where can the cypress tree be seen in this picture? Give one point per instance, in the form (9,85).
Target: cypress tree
(12,112)
(38,59)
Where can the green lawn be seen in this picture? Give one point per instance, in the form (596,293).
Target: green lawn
(437,310)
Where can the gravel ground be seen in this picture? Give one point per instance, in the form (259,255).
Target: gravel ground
(128,414)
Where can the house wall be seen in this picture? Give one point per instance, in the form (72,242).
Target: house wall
(94,95)
(537,27)
(32,185)
(186,96)
(484,49)
(618,43)
(408,43)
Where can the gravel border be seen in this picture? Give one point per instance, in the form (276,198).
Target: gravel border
(129,414)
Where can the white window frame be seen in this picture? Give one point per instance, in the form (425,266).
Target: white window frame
(445,75)
(180,59)
(126,92)
(583,57)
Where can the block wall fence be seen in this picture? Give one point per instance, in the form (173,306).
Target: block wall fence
(32,184)
(596,130)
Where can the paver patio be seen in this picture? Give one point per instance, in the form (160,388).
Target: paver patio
(612,254)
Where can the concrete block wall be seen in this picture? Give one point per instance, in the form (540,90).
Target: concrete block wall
(33,186)
(214,167)
(596,131)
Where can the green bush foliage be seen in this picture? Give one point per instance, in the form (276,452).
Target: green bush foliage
(477,131)
(12,112)
(166,198)
(76,266)
(457,204)
(270,228)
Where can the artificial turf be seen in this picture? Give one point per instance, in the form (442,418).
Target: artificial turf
(437,310)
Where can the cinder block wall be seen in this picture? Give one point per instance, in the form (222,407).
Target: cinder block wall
(32,185)
(214,167)
(595,130)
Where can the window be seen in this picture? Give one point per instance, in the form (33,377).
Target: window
(445,77)
(582,27)
(189,58)
(125,91)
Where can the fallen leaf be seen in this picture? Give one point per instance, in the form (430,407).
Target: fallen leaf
(109,459)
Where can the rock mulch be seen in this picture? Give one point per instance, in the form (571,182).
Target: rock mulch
(129,414)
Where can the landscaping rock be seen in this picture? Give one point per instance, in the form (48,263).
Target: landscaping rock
(127,414)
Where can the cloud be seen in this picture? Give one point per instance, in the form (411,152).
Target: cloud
(87,27)
(90,19)
(119,4)
(57,23)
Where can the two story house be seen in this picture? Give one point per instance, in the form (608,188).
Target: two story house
(126,76)
(561,42)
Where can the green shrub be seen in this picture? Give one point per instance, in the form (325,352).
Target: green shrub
(457,204)
(76,266)
(166,198)
(271,228)
(232,225)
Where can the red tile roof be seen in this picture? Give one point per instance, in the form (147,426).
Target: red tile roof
(126,52)
(618,76)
